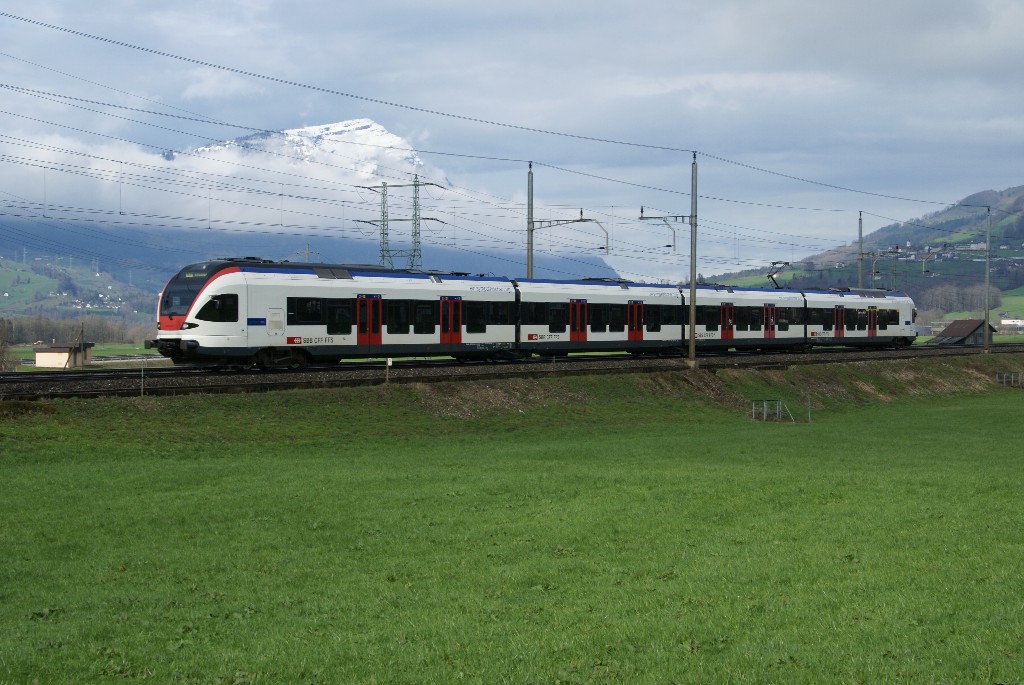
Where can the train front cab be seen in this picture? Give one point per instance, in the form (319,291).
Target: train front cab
(201,314)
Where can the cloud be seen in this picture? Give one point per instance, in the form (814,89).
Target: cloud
(214,84)
(917,98)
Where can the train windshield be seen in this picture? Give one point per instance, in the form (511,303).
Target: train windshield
(181,291)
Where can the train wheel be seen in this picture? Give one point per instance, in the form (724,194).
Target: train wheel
(281,358)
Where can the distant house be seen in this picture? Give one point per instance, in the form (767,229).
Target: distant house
(963,332)
(1011,326)
(59,356)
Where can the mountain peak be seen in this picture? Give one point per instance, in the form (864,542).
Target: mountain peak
(363,145)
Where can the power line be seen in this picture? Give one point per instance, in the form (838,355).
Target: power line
(331,91)
(450,115)
(199,118)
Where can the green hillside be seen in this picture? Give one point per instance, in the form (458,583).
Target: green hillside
(938,259)
(59,291)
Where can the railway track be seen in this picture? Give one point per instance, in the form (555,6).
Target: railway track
(178,380)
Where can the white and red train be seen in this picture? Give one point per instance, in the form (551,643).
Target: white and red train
(249,311)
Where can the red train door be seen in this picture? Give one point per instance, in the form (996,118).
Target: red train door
(577,321)
(839,321)
(728,319)
(769,322)
(368,308)
(872,322)
(451,320)
(635,320)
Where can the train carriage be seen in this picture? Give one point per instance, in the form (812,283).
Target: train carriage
(859,318)
(748,318)
(558,317)
(363,313)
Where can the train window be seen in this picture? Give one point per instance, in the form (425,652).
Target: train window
(556,317)
(821,317)
(177,305)
(672,314)
(340,314)
(499,313)
(616,318)
(305,311)
(476,316)
(598,318)
(756,315)
(851,319)
(652,315)
(182,290)
(783,318)
(396,316)
(425,320)
(708,316)
(220,308)
(535,313)
(741,318)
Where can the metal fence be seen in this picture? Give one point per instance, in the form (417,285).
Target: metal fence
(1011,379)
(770,410)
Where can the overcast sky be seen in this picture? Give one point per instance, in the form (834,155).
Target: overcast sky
(802,112)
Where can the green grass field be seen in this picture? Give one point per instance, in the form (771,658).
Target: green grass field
(100,350)
(605,529)
(1012,302)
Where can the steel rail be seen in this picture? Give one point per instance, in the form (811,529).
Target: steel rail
(179,380)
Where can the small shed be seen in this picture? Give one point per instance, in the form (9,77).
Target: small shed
(964,332)
(64,356)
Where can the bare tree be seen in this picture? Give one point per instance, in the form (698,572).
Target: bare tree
(4,363)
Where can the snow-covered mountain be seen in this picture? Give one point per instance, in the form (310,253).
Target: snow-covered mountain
(311,193)
(359,146)
(318,182)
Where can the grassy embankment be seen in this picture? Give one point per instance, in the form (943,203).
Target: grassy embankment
(634,528)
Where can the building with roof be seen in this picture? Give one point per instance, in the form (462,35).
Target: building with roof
(64,356)
(964,332)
